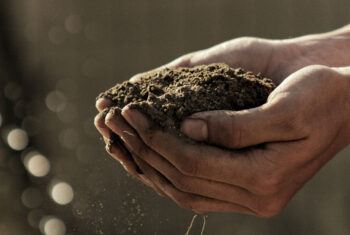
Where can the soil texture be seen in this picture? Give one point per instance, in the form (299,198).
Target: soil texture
(168,96)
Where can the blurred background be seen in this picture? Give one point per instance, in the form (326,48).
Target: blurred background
(55,58)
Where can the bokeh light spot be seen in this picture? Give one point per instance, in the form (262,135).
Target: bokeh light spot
(37,164)
(55,101)
(17,139)
(62,193)
(50,225)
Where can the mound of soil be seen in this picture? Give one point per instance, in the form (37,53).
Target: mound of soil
(170,95)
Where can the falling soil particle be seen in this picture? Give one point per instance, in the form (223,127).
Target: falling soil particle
(169,96)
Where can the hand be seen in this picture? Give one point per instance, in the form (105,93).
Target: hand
(257,55)
(274,58)
(302,126)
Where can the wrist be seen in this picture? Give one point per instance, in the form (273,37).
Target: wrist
(330,49)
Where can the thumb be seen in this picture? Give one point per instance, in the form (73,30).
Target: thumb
(239,129)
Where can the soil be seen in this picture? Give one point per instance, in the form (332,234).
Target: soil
(170,95)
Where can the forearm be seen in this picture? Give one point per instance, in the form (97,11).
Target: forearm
(330,49)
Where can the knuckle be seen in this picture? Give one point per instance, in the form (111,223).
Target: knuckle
(184,60)
(318,69)
(252,42)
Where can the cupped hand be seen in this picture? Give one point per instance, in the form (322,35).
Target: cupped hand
(254,54)
(251,53)
(273,58)
(301,127)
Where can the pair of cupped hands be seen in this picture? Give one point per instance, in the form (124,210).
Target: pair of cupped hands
(303,124)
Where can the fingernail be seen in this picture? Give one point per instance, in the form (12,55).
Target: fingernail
(196,129)
(102,103)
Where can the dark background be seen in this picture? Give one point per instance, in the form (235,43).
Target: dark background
(57,55)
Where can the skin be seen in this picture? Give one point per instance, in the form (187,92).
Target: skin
(304,123)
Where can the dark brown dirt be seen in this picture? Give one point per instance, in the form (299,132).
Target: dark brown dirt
(170,95)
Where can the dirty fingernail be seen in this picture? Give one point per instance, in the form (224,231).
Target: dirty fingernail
(196,129)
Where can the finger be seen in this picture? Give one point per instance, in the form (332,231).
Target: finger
(115,112)
(100,124)
(153,186)
(110,139)
(239,129)
(145,177)
(109,136)
(240,168)
(191,201)
(117,124)
(193,185)
(118,152)
(115,147)
(185,183)
(103,103)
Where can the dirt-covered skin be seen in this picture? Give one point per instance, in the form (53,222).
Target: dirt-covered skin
(170,95)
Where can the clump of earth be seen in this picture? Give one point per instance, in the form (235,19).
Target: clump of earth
(168,96)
